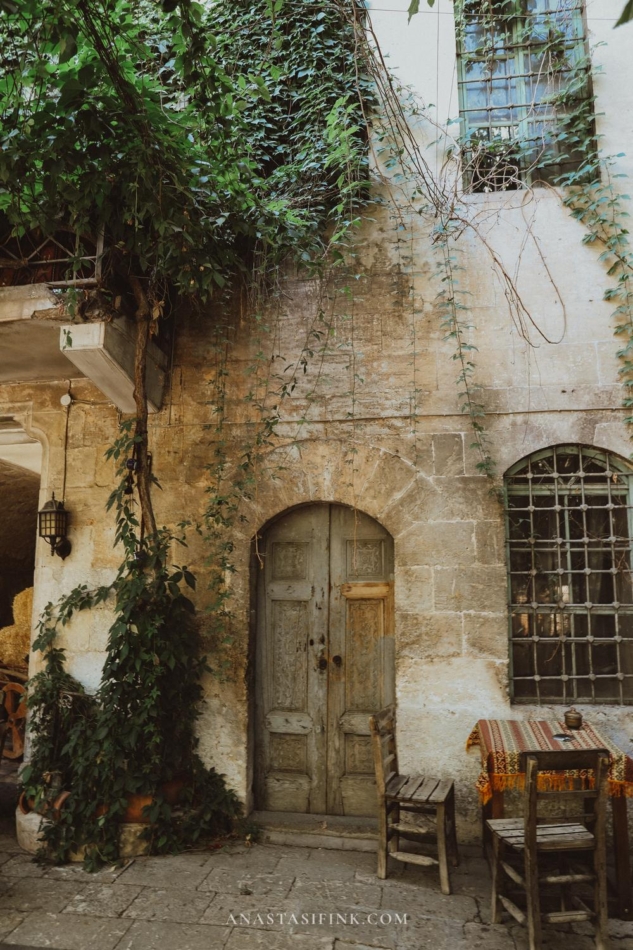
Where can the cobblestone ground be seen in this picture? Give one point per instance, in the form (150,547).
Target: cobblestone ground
(260,898)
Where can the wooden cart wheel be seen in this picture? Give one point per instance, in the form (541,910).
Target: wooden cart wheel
(16,718)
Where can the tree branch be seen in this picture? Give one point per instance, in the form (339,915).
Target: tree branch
(143,317)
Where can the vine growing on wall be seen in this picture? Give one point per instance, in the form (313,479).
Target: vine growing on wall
(200,144)
(566,154)
(136,736)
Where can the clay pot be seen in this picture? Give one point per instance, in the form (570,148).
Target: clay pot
(136,803)
(25,805)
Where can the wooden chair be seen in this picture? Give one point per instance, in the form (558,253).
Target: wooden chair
(413,793)
(558,837)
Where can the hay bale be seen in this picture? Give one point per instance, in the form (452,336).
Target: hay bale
(15,640)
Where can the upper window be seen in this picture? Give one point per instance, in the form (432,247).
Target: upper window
(569,522)
(523,74)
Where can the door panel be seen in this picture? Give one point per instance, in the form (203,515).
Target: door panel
(361,572)
(291,639)
(325,659)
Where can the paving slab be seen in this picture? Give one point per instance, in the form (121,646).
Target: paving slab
(27,896)
(9,844)
(103,900)
(415,900)
(258,856)
(488,937)
(9,920)
(556,940)
(343,945)
(354,924)
(302,867)
(68,932)
(357,860)
(247,883)
(20,946)
(76,873)
(229,909)
(157,935)
(437,933)
(328,893)
(181,906)
(181,870)
(264,940)
(20,865)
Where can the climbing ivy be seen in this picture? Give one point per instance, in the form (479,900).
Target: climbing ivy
(136,734)
(198,142)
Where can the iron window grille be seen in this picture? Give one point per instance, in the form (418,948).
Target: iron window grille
(515,57)
(569,527)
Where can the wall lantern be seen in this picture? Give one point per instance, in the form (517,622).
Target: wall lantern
(53,527)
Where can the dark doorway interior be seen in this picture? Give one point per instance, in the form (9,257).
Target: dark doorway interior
(19,494)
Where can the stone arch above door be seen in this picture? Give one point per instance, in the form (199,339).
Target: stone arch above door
(324,658)
(378,482)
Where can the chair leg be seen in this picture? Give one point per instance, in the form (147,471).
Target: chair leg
(533,901)
(496,871)
(383,841)
(600,901)
(452,830)
(442,848)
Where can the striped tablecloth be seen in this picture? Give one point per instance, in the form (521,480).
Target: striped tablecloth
(503,740)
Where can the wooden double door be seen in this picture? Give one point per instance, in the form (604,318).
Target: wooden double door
(324,659)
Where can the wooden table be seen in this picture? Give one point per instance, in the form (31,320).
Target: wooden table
(502,741)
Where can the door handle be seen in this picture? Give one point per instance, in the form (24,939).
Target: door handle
(337,660)
(322,663)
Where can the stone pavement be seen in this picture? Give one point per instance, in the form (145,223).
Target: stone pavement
(261,898)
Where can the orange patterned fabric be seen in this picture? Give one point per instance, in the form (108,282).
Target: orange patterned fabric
(503,740)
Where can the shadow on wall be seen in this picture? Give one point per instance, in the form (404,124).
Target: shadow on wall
(19,491)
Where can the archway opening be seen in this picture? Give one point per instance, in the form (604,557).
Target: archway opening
(20,470)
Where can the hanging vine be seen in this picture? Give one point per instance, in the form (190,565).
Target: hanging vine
(207,166)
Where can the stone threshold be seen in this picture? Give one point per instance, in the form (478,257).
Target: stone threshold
(338,832)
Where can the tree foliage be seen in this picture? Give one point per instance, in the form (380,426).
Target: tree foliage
(190,137)
(203,143)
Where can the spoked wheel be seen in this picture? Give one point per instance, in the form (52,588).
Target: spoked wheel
(15,706)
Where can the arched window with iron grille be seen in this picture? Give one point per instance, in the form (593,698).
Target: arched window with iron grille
(569,526)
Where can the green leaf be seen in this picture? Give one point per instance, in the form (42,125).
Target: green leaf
(67,48)
(414,7)
(627,13)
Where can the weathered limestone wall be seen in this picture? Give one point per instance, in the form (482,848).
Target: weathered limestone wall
(375,422)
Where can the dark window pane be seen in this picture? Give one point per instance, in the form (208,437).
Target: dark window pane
(523,659)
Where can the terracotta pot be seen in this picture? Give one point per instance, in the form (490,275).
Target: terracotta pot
(136,803)
(25,805)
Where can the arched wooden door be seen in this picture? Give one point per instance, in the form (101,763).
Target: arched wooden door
(324,659)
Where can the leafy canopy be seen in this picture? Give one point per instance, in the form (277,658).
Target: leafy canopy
(193,137)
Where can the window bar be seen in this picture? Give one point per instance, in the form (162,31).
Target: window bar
(559,624)
(587,574)
(534,607)
(587,571)
(616,597)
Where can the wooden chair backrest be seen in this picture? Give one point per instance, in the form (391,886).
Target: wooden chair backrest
(383,739)
(580,760)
